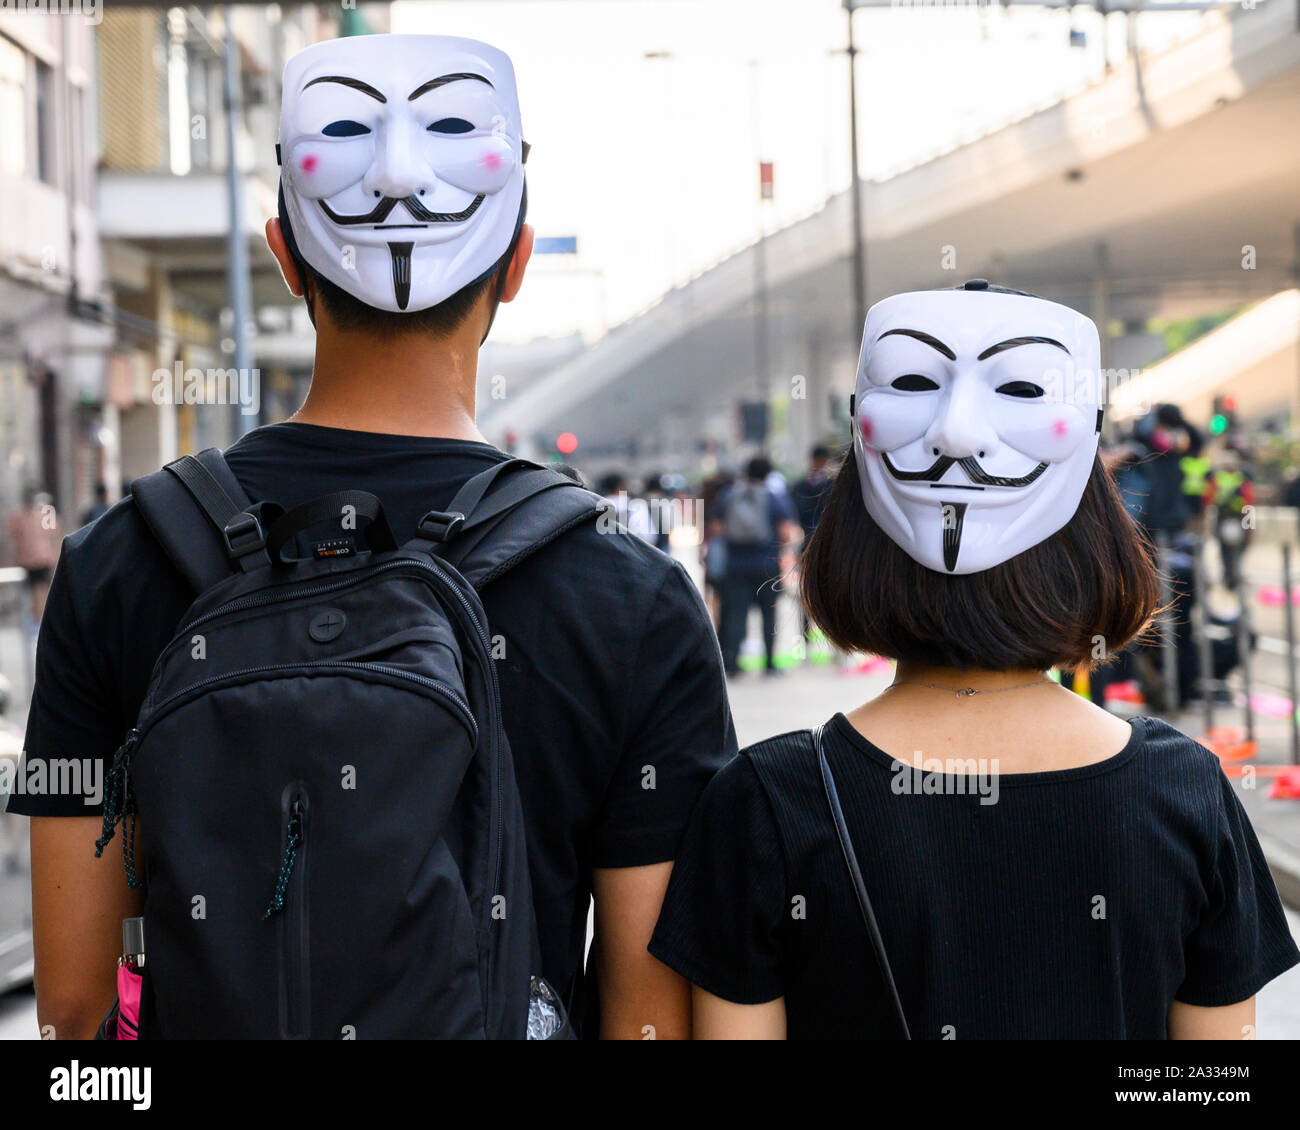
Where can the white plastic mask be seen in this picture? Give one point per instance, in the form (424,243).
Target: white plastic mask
(401,163)
(977,415)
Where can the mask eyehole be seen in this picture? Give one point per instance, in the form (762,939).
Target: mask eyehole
(345,128)
(1026,390)
(914,382)
(451,125)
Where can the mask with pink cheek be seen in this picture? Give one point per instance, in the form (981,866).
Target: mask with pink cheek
(977,413)
(401,164)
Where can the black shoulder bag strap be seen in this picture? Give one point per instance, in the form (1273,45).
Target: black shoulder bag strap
(201,516)
(502,516)
(859,887)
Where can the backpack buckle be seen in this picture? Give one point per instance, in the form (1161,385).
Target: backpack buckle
(439,525)
(243,535)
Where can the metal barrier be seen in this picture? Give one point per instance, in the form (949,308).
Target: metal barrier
(1207,683)
(1290,650)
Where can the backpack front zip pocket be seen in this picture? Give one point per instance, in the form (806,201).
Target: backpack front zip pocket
(463,603)
(119,799)
(290,903)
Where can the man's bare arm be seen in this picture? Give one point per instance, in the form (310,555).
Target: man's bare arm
(640,996)
(78,903)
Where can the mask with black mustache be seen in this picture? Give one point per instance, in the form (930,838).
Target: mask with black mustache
(977,413)
(401,164)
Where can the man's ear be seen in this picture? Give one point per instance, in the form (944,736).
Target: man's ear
(518,263)
(280,249)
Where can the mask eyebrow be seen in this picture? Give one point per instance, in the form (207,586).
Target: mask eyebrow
(1012,342)
(932,342)
(443,80)
(354,83)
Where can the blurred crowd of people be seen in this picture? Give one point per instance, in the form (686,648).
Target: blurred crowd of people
(1184,489)
(1181,485)
(749,528)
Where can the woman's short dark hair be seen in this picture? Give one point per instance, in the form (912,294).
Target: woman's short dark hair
(1070,601)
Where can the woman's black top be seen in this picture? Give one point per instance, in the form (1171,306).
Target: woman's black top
(1078,904)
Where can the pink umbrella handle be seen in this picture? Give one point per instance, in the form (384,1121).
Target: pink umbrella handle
(128,1003)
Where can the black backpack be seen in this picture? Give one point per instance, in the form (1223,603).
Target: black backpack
(332,839)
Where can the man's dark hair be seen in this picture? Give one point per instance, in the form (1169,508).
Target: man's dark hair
(758,468)
(821,451)
(1045,607)
(350,313)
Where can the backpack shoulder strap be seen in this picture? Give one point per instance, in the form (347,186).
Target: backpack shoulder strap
(198,512)
(502,516)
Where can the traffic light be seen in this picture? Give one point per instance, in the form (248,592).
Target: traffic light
(1224,417)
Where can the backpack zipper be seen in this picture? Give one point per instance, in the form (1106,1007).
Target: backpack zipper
(291,888)
(292,840)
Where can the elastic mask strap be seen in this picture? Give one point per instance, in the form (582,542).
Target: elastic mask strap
(503,264)
(286,229)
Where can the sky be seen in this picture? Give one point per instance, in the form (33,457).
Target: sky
(648,119)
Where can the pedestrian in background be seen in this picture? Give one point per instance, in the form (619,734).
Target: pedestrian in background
(613,487)
(98,507)
(756,525)
(809,495)
(34,535)
(659,511)
(1231,490)
(713,546)
(1164,439)
(810,492)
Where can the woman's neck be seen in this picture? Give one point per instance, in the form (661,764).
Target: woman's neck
(1019,719)
(975,678)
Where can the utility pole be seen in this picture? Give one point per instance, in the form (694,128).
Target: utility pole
(855,192)
(239,281)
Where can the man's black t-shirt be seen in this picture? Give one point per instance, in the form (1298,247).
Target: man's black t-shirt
(611,681)
(1078,905)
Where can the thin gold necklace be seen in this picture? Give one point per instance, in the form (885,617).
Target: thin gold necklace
(966,692)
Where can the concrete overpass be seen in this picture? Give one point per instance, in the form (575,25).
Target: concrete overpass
(1253,357)
(1167,189)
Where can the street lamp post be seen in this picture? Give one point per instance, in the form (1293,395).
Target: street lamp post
(1131,7)
(239,282)
(859,236)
